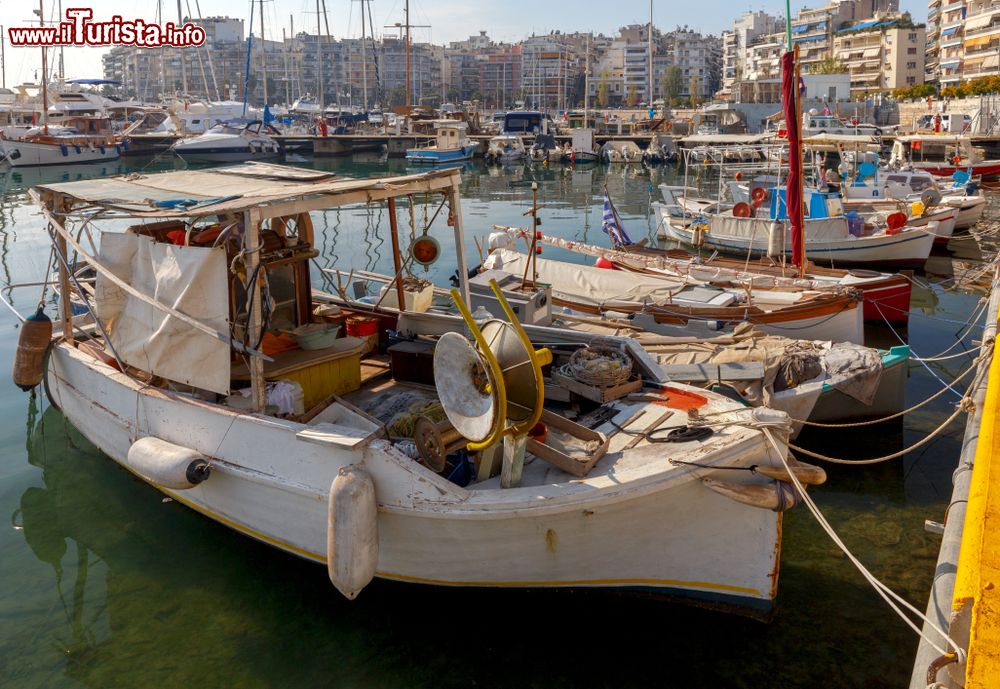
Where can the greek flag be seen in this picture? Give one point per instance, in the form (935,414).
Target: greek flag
(611,225)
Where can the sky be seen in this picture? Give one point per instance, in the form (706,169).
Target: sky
(449,20)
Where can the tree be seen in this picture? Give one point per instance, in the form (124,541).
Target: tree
(631,97)
(673,82)
(694,88)
(829,65)
(602,90)
(397,96)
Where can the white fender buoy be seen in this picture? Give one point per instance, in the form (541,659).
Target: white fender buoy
(775,496)
(352,531)
(167,464)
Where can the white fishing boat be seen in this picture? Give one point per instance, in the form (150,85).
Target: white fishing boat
(915,185)
(872,208)
(451,144)
(230,142)
(152,383)
(584,150)
(742,229)
(942,155)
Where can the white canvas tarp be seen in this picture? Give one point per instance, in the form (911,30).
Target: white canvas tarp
(612,288)
(192,280)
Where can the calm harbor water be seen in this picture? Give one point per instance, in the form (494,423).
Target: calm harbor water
(104,584)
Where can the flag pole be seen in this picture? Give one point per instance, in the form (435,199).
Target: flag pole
(614,210)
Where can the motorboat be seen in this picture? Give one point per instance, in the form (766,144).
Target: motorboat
(621,152)
(505,148)
(546,148)
(183,381)
(230,142)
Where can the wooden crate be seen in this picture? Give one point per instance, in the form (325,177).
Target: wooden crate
(598,394)
(573,448)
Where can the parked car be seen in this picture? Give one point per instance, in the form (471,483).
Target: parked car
(831,124)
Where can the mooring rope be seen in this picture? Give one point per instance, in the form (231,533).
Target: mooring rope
(892,599)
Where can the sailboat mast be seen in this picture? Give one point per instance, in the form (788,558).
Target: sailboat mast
(45,90)
(184,75)
(62,59)
(586,83)
(649,45)
(364,58)
(407,55)
(284,42)
(319,56)
(263,53)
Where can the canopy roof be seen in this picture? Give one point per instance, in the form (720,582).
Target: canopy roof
(238,188)
(935,138)
(837,140)
(722,139)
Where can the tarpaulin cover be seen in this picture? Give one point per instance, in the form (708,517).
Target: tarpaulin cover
(794,194)
(192,280)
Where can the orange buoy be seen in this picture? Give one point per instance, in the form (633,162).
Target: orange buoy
(29,358)
(742,210)
(602,262)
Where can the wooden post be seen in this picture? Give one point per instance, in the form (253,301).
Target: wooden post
(252,246)
(65,291)
(488,462)
(456,213)
(396,261)
(513,460)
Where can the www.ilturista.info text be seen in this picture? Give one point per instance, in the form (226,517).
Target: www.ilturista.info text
(80,30)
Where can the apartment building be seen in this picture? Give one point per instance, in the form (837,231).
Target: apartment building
(213,70)
(735,43)
(547,71)
(882,54)
(981,39)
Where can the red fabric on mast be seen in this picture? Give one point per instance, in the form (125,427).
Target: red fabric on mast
(793,123)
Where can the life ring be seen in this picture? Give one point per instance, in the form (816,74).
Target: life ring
(742,210)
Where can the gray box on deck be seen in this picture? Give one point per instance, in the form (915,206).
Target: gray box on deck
(534,308)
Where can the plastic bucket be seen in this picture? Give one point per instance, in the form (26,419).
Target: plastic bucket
(361,326)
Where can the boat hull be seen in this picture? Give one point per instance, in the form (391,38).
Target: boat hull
(673,537)
(29,154)
(436,157)
(226,154)
(985,170)
(909,248)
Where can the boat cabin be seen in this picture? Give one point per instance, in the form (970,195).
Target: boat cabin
(526,122)
(934,148)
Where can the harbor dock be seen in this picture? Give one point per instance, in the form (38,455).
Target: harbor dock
(964,599)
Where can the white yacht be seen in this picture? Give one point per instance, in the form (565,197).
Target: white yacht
(230,142)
